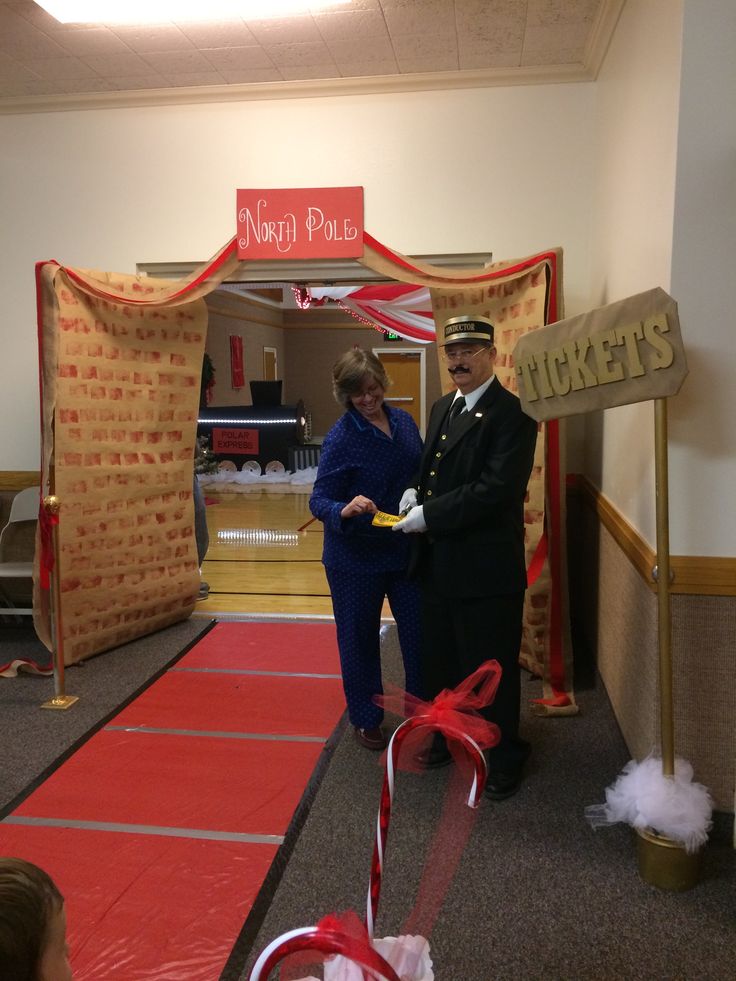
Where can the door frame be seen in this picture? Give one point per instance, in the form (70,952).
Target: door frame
(422,352)
(275,353)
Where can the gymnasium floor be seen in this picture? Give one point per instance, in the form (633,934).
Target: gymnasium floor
(264,558)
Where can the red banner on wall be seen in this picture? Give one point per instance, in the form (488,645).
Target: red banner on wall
(235,441)
(237,369)
(300,223)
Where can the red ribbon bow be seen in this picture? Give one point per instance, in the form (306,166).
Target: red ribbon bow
(454,712)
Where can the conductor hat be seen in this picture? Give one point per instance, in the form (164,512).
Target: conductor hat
(473,329)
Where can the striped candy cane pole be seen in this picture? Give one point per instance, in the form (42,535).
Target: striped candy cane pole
(327,941)
(480,772)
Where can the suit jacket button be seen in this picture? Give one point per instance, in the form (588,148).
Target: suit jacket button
(431,473)
(429,493)
(443,436)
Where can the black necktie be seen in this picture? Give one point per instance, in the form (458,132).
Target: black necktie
(455,409)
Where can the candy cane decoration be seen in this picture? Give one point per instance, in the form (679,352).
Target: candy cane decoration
(387,796)
(327,941)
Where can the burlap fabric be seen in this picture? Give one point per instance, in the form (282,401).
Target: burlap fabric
(518,297)
(121,361)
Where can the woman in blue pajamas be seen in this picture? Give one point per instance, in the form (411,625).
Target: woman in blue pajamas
(368,459)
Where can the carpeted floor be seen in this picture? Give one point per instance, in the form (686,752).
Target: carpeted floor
(538,894)
(34,739)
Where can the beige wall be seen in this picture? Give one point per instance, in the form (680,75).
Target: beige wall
(108,189)
(258,326)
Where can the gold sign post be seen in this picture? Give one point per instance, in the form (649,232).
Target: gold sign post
(664,862)
(626,352)
(52,506)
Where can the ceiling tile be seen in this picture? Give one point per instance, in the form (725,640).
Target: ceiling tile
(92,41)
(237,59)
(419,16)
(78,85)
(559,37)
(285,30)
(293,73)
(13,71)
(39,18)
(549,12)
(160,37)
(119,64)
(339,25)
(474,53)
(12,90)
(127,83)
(192,79)
(368,39)
(244,76)
(425,46)
(53,68)
(361,69)
(481,18)
(29,44)
(219,34)
(362,49)
(305,55)
(175,62)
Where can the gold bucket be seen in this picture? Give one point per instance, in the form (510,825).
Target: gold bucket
(664,863)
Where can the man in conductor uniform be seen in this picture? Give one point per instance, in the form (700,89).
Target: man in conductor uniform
(467,511)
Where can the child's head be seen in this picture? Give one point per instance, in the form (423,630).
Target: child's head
(32,925)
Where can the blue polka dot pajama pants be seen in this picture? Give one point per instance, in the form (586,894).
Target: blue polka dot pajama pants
(357,599)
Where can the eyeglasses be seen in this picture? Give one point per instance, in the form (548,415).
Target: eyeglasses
(461,354)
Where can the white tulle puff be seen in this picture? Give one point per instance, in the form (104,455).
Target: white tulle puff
(407,955)
(644,798)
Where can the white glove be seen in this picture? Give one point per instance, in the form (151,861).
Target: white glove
(414,521)
(408,500)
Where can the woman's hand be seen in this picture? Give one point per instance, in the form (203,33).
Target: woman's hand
(358,505)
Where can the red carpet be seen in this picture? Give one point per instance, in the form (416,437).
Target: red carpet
(147,832)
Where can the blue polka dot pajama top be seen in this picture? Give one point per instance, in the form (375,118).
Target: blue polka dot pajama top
(364,563)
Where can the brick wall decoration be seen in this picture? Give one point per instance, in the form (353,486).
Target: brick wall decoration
(121,381)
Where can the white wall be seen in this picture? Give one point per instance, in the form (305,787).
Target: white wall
(501,170)
(637,96)
(703,447)
(666,216)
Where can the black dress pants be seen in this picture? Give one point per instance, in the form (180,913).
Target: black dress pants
(458,635)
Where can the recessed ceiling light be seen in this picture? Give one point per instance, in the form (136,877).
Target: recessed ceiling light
(165,11)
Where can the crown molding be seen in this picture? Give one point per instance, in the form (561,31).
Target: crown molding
(307,89)
(601,34)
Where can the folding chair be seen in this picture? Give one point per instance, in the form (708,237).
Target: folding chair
(24,508)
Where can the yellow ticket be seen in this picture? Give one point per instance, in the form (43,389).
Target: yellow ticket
(383,520)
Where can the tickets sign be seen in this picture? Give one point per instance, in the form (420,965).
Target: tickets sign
(630,351)
(300,223)
(235,441)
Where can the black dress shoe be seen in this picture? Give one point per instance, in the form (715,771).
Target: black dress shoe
(503,783)
(435,755)
(371,738)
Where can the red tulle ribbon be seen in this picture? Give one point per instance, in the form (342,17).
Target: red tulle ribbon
(46,525)
(455,714)
(455,710)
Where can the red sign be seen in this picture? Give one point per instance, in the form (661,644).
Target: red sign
(235,441)
(300,223)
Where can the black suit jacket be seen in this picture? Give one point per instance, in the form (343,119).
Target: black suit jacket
(472,484)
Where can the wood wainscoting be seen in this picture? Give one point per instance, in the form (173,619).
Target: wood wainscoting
(697,575)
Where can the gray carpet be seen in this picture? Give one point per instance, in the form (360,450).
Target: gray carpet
(34,739)
(538,895)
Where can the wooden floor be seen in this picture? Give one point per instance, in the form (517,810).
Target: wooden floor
(264,555)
